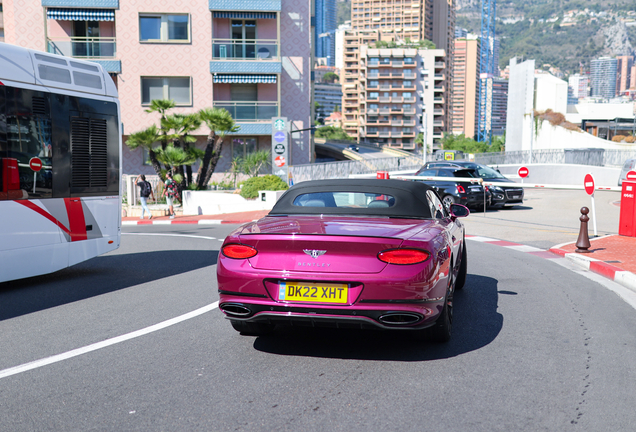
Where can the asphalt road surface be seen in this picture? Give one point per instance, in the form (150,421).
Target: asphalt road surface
(133,341)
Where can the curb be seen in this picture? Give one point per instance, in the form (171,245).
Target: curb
(618,275)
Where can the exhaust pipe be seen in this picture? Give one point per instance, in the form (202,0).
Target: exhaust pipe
(235,309)
(400,318)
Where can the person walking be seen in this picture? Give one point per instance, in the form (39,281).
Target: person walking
(170,192)
(144,193)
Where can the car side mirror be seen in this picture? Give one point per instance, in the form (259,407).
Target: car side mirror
(458,211)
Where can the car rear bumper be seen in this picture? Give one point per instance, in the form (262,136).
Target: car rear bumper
(371,316)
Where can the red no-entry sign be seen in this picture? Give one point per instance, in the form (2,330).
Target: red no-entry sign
(588,182)
(35,164)
(523,172)
(631,175)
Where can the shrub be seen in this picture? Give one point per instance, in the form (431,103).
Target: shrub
(270,182)
(630,139)
(618,138)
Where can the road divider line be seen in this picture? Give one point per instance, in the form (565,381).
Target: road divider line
(106,343)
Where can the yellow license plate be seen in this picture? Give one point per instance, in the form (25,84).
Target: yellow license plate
(313,292)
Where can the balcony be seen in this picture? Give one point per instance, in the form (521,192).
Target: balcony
(438,123)
(409,100)
(438,112)
(397,99)
(409,123)
(249,111)
(438,100)
(438,89)
(83,47)
(385,99)
(384,134)
(440,65)
(438,77)
(409,111)
(245,49)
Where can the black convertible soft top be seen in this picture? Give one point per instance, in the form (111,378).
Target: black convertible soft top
(408,199)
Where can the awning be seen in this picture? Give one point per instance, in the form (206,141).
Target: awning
(245,15)
(246,79)
(80,14)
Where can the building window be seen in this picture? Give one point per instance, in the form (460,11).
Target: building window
(373,95)
(241,147)
(178,89)
(164,28)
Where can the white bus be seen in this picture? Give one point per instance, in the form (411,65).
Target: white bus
(60,162)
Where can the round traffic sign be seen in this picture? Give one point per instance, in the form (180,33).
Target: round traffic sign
(631,175)
(279,136)
(523,172)
(588,182)
(35,164)
(279,161)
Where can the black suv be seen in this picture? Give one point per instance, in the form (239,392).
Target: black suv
(470,194)
(501,195)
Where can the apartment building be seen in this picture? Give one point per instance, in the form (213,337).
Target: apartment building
(603,77)
(579,85)
(623,74)
(247,56)
(327,97)
(465,103)
(496,105)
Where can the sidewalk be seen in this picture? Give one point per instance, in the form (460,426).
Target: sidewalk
(613,257)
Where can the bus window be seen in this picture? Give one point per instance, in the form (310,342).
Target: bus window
(29,141)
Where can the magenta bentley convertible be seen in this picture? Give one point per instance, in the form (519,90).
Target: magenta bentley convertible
(347,253)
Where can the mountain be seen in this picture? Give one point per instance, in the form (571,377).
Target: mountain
(564,34)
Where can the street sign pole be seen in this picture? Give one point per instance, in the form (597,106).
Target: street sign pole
(590,186)
(280,148)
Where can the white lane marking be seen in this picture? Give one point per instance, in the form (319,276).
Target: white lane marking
(480,239)
(525,248)
(108,342)
(171,235)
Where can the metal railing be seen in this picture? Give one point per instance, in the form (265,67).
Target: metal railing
(258,49)
(343,169)
(83,47)
(594,157)
(249,110)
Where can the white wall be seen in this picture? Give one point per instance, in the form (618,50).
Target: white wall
(520,106)
(551,93)
(557,137)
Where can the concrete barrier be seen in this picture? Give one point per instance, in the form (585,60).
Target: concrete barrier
(220,202)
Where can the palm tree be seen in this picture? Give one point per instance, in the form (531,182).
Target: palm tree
(175,157)
(183,125)
(161,106)
(254,161)
(220,123)
(146,138)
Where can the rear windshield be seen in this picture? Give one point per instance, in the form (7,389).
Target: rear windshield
(344,200)
(465,173)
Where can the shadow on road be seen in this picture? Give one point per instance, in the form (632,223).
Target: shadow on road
(95,277)
(477,323)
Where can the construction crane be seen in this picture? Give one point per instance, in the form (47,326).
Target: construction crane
(487,68)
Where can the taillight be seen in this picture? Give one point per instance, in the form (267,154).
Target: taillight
(460,189)
(238,251)
(403,256)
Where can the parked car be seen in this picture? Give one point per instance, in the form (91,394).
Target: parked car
(501,195)
(472,195)
(383,254)
(629,165)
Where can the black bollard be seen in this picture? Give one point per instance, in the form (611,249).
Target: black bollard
(583,242)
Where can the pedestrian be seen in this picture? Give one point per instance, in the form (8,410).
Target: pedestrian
(144,193)
(170,192)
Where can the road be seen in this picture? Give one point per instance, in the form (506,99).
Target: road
(536,346)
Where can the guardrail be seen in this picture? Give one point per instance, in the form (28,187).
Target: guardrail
(594,157)
(344,169)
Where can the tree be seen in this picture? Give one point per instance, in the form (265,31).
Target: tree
(183,125)
(220,123)
(330,77)
(161,106)
(332,132)
(146,138)
(253,162)
(175,157)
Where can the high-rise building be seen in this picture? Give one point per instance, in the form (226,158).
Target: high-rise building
(623,74)
(326,25)
(464,91)
(603,77)
(404,23)
(248,56)
(579,85)
(496,123)
(327,97)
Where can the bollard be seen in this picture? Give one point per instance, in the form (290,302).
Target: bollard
(583,242)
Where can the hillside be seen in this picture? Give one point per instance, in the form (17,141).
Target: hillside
(566,34)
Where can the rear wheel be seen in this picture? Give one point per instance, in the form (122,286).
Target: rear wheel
(442,330)
(448,200)
(254,329)
(463,268)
